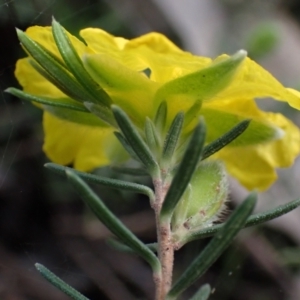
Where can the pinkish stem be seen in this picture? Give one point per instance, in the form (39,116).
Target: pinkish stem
(165,245)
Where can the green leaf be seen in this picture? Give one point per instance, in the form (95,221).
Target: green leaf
(203,201)
(185,171)
(78,117)
(135,141)
(116,76)
(63,108)
(126,145)
(258,131)
(203,293)
(205,83)
(124,248)
(172,138)
(75,65)
(55,81)
(60,284)
(130,171)
(161,117)
(215,248)
(55,69)
(151,135)
(104,181)
(56,102)
(252,220)
(225,139)
(193,112)
(102,112)
(112,222)
(179,216)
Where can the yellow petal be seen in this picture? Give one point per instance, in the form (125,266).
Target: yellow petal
(253,81)
(130,90)
(254,166)
(86,147)
(43,35)
(295,102)
(34,83)
(153,51)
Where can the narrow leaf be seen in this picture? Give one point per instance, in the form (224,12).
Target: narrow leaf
(215,248)
(161,116)
(251,221)
(111,221)
(122,247)
(60,284)
(126,145)
(151,136)
(192,112)
(63,103)
(75,64)
(102,112)
(60,85)
(203,293)
(104,181)
(185,170)
(206,82)
(130,171)
(172,138)
(56,70)
(259,130)
(135,140)
(224,140)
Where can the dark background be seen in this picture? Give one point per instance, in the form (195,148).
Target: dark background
(43,220)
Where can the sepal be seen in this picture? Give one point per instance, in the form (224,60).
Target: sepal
(205,83)
(204,200)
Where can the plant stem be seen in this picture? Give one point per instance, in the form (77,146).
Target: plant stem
(165,245)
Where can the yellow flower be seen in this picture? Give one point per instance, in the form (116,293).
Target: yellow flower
(137,75)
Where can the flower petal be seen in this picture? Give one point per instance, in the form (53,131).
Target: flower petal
(44,36)
(154,51)
(86,147)
(253,81)
(131,90)
(33,82)
(220,117)
(254,165)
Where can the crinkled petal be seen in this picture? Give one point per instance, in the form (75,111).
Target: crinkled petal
(130,90)
(254,166)
(253,81)
(154,51)
(86,147)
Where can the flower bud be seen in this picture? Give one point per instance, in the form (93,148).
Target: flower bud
(204,199)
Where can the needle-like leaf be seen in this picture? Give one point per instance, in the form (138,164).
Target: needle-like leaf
(111,221)
(251,221)
(46,63)
(161,116)
(104,181)
(185,171)
(172,138)
(75,64)
(135,141)
(225,139)
(60,284)
(63,103)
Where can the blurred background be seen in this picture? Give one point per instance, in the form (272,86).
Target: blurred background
(43,220)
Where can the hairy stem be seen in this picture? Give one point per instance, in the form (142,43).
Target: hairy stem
(165,245)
